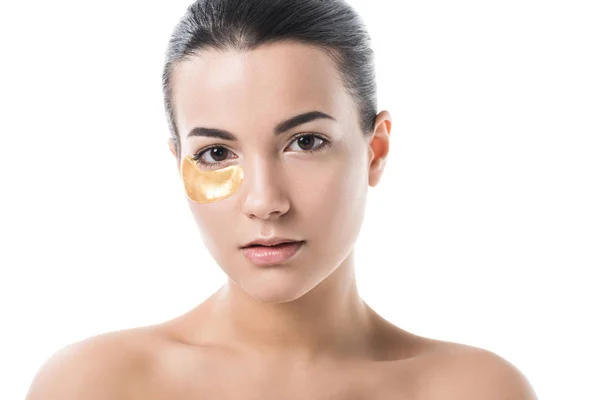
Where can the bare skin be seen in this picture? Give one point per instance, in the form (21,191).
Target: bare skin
(192,368)
(160,362)
(298,330)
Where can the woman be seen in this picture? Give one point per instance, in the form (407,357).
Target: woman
(276,138)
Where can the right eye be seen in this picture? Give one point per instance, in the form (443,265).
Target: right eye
(218,154)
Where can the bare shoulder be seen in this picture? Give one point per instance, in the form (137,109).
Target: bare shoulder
(106,366)
(458,371)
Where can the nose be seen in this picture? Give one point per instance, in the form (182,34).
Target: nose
(265,195)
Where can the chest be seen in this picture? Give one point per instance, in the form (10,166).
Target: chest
(375,382)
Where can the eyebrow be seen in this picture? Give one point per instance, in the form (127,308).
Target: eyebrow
(281,127)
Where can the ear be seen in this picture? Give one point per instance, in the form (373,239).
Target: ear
(379,146)
(173,148)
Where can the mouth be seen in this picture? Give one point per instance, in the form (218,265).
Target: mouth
(272,242)
(260,254)
(282,244)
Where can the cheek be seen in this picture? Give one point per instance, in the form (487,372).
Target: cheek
(330,190)
(214,222)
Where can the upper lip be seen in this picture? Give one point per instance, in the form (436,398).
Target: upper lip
(272,241)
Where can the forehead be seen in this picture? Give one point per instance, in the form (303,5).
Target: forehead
(258,87)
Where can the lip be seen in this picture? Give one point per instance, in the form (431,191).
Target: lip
(265,255)
(272,241)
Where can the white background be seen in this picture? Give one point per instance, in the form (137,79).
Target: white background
(484,229)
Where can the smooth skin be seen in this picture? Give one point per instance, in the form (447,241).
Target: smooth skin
(293,331)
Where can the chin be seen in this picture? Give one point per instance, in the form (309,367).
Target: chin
(276,286)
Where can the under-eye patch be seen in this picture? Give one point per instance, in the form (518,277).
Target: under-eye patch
(209,186)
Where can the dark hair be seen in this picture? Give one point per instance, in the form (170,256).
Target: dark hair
(331,25)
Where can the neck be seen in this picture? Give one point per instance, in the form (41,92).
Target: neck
(330,320)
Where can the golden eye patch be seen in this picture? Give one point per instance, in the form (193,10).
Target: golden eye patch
(209,186)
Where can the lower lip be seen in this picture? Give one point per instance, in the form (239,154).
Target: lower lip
(269,255)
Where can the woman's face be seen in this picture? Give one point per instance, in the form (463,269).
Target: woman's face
(306,183)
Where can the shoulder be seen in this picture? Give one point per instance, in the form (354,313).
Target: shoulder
(106,366)
(466,372)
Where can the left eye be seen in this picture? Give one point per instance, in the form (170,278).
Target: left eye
(306,142)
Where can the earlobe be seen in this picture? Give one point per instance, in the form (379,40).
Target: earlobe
(171,144)
(379,146)
(376,171)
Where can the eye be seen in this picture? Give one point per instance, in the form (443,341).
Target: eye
(306,142)
(218,154)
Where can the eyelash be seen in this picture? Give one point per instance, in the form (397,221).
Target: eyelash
(198,156)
